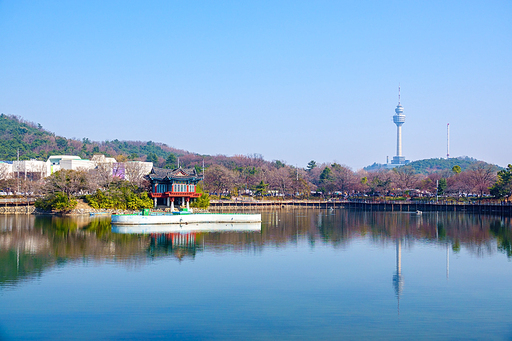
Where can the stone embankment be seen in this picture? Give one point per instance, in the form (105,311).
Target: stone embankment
(22,206)
(17,209)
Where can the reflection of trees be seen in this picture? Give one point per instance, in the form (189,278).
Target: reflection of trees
(29,245)
(339,227)
(503,236)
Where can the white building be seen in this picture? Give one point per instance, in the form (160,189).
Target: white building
(5,170)
(124,170)
(32,169)
(57,162)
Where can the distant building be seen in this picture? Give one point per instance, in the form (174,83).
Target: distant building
(35,170)
(173,186)
(122,170)
(57,162)
(29,169)
(100,158)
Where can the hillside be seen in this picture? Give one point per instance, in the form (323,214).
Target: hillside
(428,166)
(435,165)
(34,142)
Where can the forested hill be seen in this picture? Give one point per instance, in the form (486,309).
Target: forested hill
(428,166)
(34,142)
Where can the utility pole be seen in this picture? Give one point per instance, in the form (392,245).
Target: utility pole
(18,171)
(437,191)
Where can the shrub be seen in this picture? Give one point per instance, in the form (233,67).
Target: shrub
(56,201)
(120,196)
(202,202)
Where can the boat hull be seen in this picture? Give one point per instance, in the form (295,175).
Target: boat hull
(164,219)
(187,228)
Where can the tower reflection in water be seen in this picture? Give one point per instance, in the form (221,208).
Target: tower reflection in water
(398,281)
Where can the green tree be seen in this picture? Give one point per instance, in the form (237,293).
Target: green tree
(326,175)
(261,188)
(120,195)
(503,186)
(202,202)
(171,161)
(311,165)
(58,201)
(151,157)
(441,187)
(456,169)
(278,164)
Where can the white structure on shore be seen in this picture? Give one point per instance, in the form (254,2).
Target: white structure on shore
(35,170)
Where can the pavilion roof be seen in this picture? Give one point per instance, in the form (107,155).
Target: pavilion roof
(173,174)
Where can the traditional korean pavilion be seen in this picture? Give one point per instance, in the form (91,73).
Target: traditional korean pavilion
(173,186)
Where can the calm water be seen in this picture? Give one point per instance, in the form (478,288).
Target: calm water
(312,274)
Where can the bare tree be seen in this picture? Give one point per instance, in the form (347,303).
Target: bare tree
(300,185)
(344,179)
(70,182)
(218,179)
(5,171)
(134,172)
(379,181)
(102,174)
(429,183)
(405,178)
(481,176)
(458,184)
(280,179)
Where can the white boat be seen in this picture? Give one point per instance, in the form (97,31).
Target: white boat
(197,227)
(188,218)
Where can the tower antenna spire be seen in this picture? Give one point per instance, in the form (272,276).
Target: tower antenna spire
(398,93)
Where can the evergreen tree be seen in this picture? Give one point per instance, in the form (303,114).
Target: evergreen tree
(151,157)
(503,186)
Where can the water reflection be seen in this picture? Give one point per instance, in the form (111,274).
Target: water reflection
(180,245)
(398,281)
(29,245)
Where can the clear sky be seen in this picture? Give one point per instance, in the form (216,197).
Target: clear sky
(291,80)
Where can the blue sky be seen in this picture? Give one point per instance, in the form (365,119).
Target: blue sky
(291,80)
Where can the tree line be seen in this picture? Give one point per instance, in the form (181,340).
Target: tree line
(277,178)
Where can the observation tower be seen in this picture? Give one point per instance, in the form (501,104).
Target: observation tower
(399,120)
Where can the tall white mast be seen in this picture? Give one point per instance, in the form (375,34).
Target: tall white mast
(448,141)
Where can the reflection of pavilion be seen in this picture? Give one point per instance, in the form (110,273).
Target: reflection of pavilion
(398,281)
(180,244)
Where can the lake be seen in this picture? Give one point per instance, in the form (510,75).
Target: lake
(307,275)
